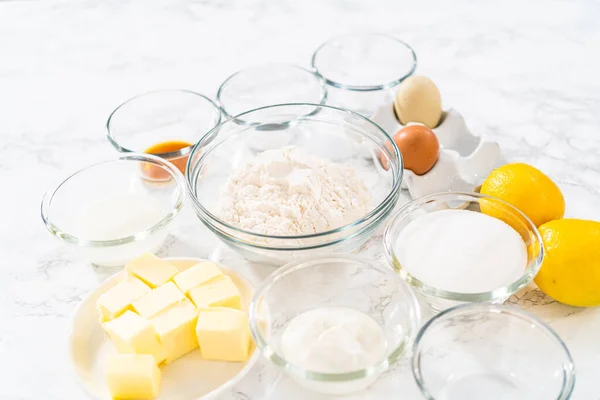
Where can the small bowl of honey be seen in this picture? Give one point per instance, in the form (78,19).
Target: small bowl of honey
(165,123)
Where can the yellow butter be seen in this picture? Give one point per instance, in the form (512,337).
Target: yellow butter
(151,269)
(220,292)
(133,376)
(158,299)
(117,299)
(131,333)
(196,275)
(223,334)
(176,327)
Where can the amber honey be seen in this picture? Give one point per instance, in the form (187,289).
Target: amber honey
(157,173)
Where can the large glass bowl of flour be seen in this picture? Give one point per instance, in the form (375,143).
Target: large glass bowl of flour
(299,179)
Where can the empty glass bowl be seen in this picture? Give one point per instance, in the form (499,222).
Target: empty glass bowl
(438,298)
(340,282)
(111,212)
(492,352)
(166,123)
(266,85)
(326,132)
(362,70)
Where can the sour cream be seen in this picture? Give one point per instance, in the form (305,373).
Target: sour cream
(334,340)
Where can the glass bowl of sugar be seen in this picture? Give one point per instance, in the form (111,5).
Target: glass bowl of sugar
(494,352)
(457,248)
(293,180)
(334,323)
(115,210)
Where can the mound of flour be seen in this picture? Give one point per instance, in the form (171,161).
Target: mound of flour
(288,192)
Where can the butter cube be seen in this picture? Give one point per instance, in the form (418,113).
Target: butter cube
(133,334)
(176,327)
(223,334)
(220,292)
(151,269)
(133,376)
(158,299)
(117,299)
(196,275)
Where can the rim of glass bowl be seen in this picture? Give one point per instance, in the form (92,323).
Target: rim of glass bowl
(390,238)
(209,141)
(364,88)
(223,86)
(176,175)
(171,154)
(392,357)
(569,371)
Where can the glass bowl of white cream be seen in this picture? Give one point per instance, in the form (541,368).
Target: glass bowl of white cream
(294,180)
(334,323)
(493,352)
(456,247)
(113,211)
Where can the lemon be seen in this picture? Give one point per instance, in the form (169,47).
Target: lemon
(526,188)
(570,272)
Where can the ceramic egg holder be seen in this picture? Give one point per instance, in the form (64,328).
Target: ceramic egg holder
(464,162)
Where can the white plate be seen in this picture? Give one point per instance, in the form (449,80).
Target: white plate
(187,378)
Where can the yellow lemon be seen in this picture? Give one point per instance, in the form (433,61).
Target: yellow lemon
(570,272)
(526,188)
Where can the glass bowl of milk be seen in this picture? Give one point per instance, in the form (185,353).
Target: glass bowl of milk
(334,323)
(463,247)
(113,211)
(493,352)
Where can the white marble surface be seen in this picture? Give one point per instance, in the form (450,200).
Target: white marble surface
(524,73)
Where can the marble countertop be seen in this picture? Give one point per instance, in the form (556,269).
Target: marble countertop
(522,73)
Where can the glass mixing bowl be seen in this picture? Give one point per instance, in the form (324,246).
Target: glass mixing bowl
(492,352)
(327,132)
(166,123)
(347,281)
(268,84)
(363,70)
(437,298)
(111,212)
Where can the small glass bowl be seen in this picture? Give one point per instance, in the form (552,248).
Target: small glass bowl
(439,299)
(92,209)
(173,116)
(266,85)
(323,131)
(337,281)
(362,70)
(493,352)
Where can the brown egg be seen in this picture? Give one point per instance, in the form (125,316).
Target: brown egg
(419,148)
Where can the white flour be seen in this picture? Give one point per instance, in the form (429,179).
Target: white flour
(288,192)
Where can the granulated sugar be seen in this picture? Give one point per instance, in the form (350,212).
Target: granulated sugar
(462,251)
